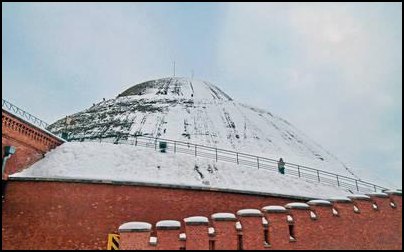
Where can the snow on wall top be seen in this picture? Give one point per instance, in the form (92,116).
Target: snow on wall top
(127,163)
(297,205)
(227,216)
(197,112)
(168,223)
(378,194)
(135,226)
(359,196)
(249,212)
(274,209)
(320,202)
(196,219)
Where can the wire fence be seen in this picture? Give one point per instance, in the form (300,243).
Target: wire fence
(197,150)
(8,106)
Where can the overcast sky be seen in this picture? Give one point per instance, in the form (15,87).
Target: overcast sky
(331,69)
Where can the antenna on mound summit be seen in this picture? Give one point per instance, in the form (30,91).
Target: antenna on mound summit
(174,67)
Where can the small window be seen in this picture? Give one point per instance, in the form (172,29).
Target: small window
(393,205)
(266,237)
(335,212)
(292,233)
(356,209)
(240,242)
(211,245)
(375,207)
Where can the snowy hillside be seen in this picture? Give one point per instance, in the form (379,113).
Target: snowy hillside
(197,112)
(126,163)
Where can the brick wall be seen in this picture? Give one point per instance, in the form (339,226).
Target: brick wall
(317,228)
(56,215)
(31,142)
(59,215)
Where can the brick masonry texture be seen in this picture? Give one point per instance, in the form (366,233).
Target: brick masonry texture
(368,229)
(57,215)
(31,142)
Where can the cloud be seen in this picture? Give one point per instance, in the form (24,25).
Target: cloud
(334,70)
(83,51)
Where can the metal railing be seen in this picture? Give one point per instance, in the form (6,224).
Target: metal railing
(8,106)
(304,172)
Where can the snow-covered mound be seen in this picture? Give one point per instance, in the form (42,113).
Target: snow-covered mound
(197,112)
(127,163)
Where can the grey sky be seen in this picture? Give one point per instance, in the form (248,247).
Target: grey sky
(332,70)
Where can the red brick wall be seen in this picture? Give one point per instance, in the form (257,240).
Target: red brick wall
(367,229)
(168,239)
(55,215)
(253,232)
(197,236)
(226,234)
(31,142)
(134,241)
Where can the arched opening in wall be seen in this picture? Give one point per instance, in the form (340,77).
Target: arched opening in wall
(393,205)
(240,242)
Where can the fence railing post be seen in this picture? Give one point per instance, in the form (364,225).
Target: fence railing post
(300,173)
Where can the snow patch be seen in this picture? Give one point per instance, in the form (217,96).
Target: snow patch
(134,226)
(274,209)
(196,219)
(297,205)
(153,240)
(229,216)
(378,194)
(127,163)
(168,223)
(249,212)
(319,202)
(359,197)
(339,199)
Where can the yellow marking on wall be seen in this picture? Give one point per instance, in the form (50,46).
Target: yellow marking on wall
(113,242)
